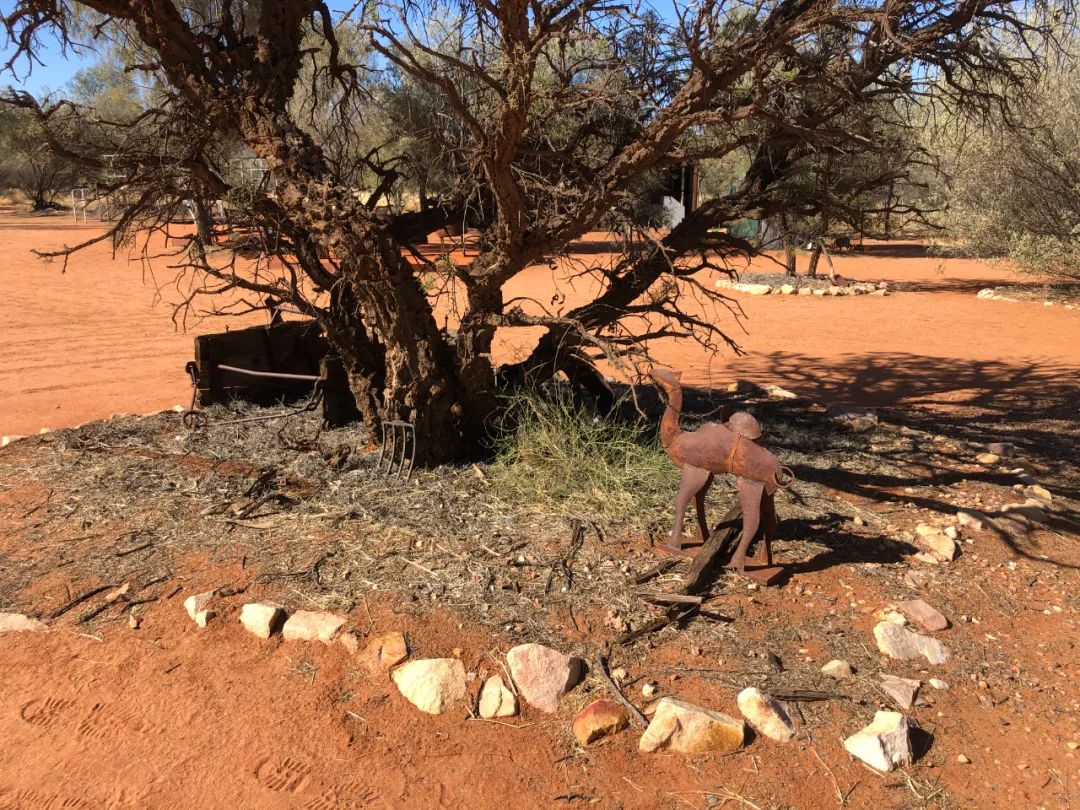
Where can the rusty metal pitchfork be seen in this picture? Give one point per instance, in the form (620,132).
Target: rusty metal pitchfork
(399,438)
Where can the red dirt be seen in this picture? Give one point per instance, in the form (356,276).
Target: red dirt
(168,715)
(96,340)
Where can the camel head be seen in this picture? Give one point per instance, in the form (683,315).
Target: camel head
(666,378)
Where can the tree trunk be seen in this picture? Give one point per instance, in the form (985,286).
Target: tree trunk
(790,259)
(815,255)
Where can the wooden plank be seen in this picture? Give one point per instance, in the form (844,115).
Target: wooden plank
(722,539)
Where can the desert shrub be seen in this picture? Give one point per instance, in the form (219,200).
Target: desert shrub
(568,458)
(1015,192)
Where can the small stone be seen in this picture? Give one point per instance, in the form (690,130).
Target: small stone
(972,517)
(988,459)
(890,615)
(431,684)
(1072,745)
(599,719)
(952,533)
(543,675)
(787,289)
(263,620)
(496,700)
(134,621)
(858,521)
(350,641)
(1039,492)
(837,668)
(902,690)
(649,689)
(924,615)
(384,652)
(938,684)
(198,607)
(1031,510)
(805,291)
(619,675)
(688,729)
(885,744)
(18,623)
(1001,449)
(915,579)
(765,715)
(928,558)
(962,759)
(753,289)
(306,625)
(936,541)
(903,644)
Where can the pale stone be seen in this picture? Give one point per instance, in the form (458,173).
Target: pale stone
(599,719)
(901,690)
(805,291)
(937,683)
(988,459)
(688,729)
(431,684)
(952,533)
(885,744)
(899,642)
(924,615)
(1039,492)
(306,625)
(1032,510)
(543,675)
(18,623)
(1001,449)
(963,759)
(915,579)
(837,668)
(384,652)
(787,289)
(776,392)
(350,641)
(890,615)
(753,289)
(936,541)
(260,619)
(649,689)
(765,715)
(496,700)
(973,518)
(198,607)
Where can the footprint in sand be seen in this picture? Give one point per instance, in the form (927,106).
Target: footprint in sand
(287,775)
(43,712)
(31,800)
(343,798)
(105,719)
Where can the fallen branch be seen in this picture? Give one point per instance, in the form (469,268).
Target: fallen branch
(635,713)
(78,600)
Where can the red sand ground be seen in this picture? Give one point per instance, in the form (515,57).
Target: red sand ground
(90,342)
(168,716)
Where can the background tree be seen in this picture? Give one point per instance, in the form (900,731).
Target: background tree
(553,115)
(26,162)
(1015,189)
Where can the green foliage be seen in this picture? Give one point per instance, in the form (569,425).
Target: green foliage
(1016,181)
(571,460)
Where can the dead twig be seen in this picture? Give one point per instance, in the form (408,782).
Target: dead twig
(635,712)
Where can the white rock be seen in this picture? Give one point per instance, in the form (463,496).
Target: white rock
(973,518)
(903,644)
(765,715)
(787,289)
(688,729)
(753,289)
(263,620)
(937,683)
(431,684)
(543,675)
(936,542)
(885,744)
(837,668)
(306,625)
(198,607)
(496,700)
(18,623)
(1039,492)
(649,689)
(901,690)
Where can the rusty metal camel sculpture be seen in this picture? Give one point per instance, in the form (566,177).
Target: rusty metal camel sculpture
(720,448)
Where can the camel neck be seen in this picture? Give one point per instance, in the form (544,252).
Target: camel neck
(669,425)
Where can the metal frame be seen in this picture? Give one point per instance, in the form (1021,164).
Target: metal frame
(390,431)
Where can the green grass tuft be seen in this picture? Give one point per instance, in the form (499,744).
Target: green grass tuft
(569,459)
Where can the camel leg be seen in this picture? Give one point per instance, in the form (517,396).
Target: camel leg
(769,523)
(750,493)
(693,479)
(699,503)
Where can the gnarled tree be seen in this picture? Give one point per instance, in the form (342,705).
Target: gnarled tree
(545,119)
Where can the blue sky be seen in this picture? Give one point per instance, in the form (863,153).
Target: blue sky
(60,66)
